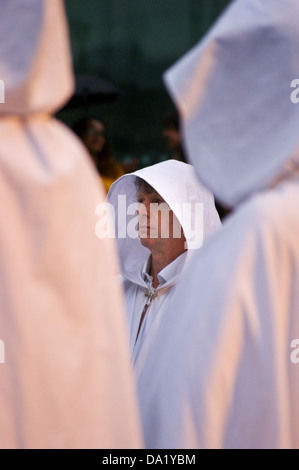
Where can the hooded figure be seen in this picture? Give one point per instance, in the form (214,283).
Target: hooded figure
(227,375)
(65,373)
(151,264)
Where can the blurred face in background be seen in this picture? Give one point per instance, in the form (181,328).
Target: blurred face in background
(95,137)
(172,137)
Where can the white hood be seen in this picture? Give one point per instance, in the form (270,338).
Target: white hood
(35,63)
(236,142)
(177,183)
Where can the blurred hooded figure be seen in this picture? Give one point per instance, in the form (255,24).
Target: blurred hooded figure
(65,374)
(154,257)
(226,374)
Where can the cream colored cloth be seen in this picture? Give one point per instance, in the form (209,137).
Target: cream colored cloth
(223,375)
(66,381)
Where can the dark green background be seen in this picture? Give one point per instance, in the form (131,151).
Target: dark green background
(131,43)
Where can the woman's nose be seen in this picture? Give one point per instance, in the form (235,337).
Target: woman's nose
(144,209)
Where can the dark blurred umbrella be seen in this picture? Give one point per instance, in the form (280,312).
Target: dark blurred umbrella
(91,90)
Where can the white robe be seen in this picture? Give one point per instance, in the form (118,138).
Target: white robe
(222,375)
(176,182)
(65,373)
(226,375)
(136,301)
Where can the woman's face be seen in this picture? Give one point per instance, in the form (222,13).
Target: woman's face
(95,137)
(157,224)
